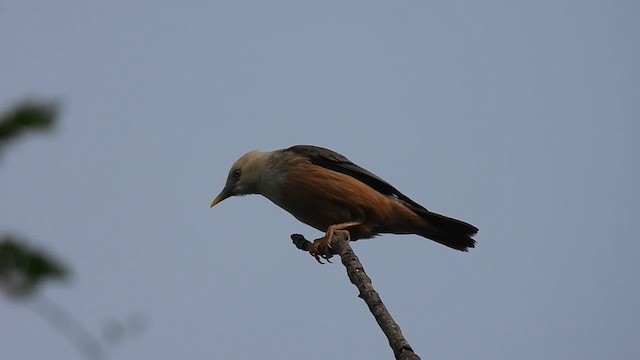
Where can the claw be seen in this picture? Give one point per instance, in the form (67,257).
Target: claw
(317,258)
(321,250)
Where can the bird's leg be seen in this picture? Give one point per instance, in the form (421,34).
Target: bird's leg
(333,228)
(321,248)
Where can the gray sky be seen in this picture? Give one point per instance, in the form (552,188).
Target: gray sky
(521,118)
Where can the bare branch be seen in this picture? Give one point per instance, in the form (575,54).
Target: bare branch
(401,348)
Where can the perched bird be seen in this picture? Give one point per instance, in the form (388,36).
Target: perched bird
(325,190)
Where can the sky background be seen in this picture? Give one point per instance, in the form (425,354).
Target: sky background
(519,117)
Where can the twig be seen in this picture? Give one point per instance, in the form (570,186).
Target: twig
(61,319)
(401,348)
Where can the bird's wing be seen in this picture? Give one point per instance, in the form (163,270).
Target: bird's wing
(334,161)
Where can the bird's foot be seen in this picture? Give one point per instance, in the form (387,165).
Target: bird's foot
(321,248)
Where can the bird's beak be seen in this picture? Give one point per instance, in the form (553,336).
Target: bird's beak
(225,193)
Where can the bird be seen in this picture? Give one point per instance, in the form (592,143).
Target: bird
(328,192)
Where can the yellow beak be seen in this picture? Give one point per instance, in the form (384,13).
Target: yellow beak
(223,195)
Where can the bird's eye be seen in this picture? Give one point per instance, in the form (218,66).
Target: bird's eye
(236,173)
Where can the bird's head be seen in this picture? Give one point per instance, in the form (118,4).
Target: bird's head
(244,176)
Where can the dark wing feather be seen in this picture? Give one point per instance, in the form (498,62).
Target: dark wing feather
(333,161)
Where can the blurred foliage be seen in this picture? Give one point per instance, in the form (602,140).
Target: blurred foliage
(23,268)
(26,116)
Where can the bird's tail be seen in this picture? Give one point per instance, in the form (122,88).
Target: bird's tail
(448,231)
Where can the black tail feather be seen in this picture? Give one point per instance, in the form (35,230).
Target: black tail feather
(448,231)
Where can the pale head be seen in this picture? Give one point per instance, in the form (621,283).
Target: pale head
(244,176)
